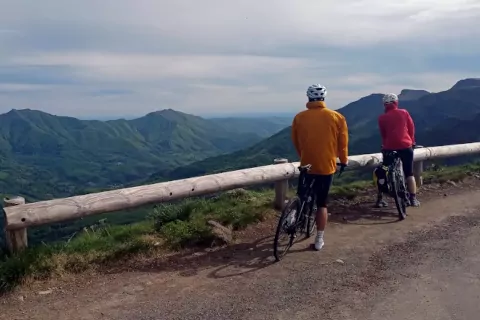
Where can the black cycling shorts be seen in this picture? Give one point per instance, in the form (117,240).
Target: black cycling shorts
(406,155)
(321,187)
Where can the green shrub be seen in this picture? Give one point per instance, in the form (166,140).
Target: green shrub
(178,234)
(165,213)
(240,217)
(186,223)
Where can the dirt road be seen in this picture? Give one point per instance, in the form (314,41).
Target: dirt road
(372,267)
(446,285)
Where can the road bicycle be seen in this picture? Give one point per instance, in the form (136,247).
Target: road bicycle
(396,182)
(298,215)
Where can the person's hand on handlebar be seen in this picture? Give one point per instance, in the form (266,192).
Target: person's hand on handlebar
(342,168)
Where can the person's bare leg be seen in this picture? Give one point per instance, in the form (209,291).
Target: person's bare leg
(412,189)
(411,185)
(322,213)
(322,219)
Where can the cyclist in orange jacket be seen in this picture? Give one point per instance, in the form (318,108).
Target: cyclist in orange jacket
(320,135)
(398,134)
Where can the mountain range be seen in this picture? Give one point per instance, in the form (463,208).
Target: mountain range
(441,118)
(44,156)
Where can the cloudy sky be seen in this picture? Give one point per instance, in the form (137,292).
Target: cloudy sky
(96,58)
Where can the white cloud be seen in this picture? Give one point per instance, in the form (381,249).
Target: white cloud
(213,55)
(345,22)
(151,67)
(21,87)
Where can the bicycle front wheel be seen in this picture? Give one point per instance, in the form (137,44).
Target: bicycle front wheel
(287,226)
(400,202)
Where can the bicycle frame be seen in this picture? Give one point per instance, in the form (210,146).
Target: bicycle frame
(306,189)
(305,194)
(396,164)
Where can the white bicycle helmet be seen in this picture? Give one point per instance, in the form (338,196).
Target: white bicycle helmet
(316,92)
(389,98)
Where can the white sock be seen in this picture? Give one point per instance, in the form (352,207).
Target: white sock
(319,241)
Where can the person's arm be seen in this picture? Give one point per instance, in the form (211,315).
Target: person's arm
(342,152)
(295,141)
(383,132)
(410,127)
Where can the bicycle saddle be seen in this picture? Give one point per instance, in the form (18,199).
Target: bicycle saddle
(391,153)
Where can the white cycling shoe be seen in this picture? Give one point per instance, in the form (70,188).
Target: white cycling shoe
(319,243)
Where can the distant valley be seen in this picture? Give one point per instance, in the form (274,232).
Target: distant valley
(45,156)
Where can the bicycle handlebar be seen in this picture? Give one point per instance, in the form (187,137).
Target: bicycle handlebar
(306,168)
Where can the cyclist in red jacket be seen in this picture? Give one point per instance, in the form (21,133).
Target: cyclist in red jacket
(398,134)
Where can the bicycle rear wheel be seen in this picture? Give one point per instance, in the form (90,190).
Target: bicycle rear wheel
(400,201)
(287,224)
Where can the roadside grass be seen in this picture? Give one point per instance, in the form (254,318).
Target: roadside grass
(86,251)
(169,227)
(185,224)
(443,174)
(351,190)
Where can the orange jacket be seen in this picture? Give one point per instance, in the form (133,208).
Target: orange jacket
(320,135)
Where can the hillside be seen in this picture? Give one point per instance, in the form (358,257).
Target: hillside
(278,145)
(44,156)
(441,118)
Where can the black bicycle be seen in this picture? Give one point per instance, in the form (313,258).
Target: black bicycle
(298,213)
(396,183)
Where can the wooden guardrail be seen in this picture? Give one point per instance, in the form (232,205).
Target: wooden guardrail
(19,216)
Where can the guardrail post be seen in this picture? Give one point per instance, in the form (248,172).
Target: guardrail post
(16,239)
(417,172)
(281,188)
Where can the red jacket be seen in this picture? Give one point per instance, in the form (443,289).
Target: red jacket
(396,128)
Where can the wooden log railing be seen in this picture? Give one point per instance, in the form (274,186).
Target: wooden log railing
(15,239)
(19,217)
